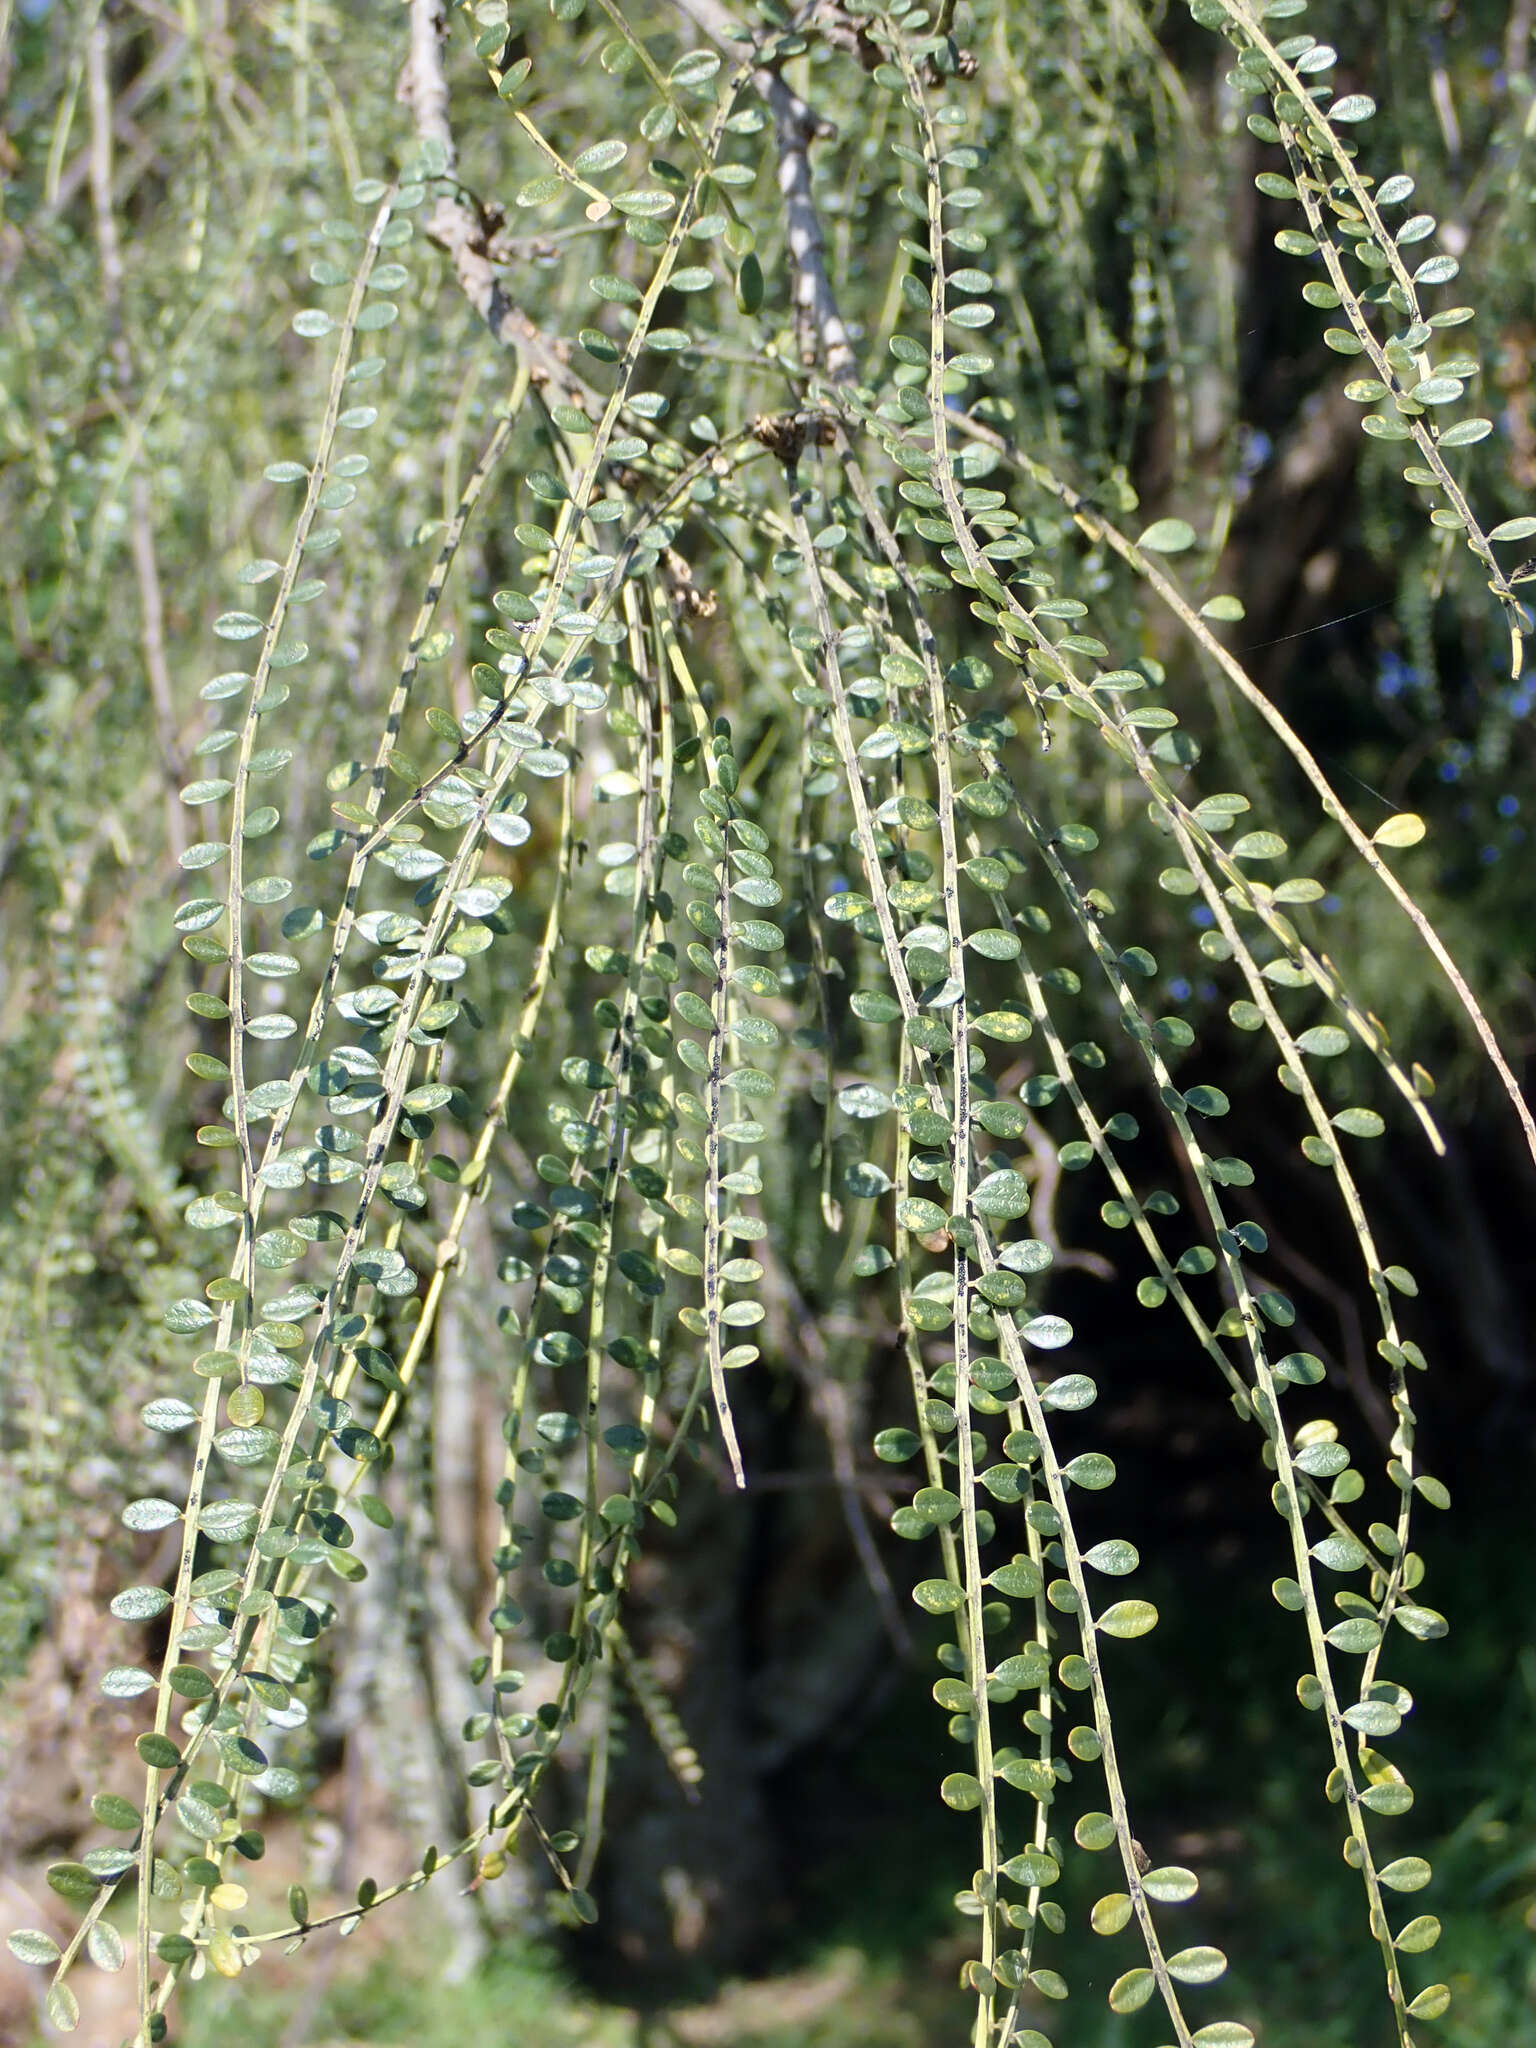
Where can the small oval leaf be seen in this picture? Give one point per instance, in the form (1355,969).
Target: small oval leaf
(1406,829)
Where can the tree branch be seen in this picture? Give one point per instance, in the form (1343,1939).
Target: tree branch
(455,225)
(821,332)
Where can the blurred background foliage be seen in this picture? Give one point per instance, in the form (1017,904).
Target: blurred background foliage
(168,169)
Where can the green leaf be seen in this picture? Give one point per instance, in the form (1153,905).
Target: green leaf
(126,1682)
(1115,1557)
(1029,1670)
(1072,1392)
(1127,1619)
(1207,1101)
(845,906)
(938,1596)
(1426,1623)
(1354,1637)
(1003,1194)
(1003,1289)
(896,1446)
(1094,1831)
(936,1504)
(62,2008)
(600,156)
(1167,537)
(113,1811)
(73,1881)
(1032,1867)
(1020,1580)
(749,285)
(961,1791)
(1430,2003)
(104,1946)
(150,1515)
(1374,1717)
(1301,1369)
(1130,1992)
(170,1413)
(644,203)
(1092,1470)
(1001,1119)
(1197,1965)
(31,1945)
(1406,829)
(1419,1934)
(1110,1914)
(1010,1027)
(757,933)
(1359,1123)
